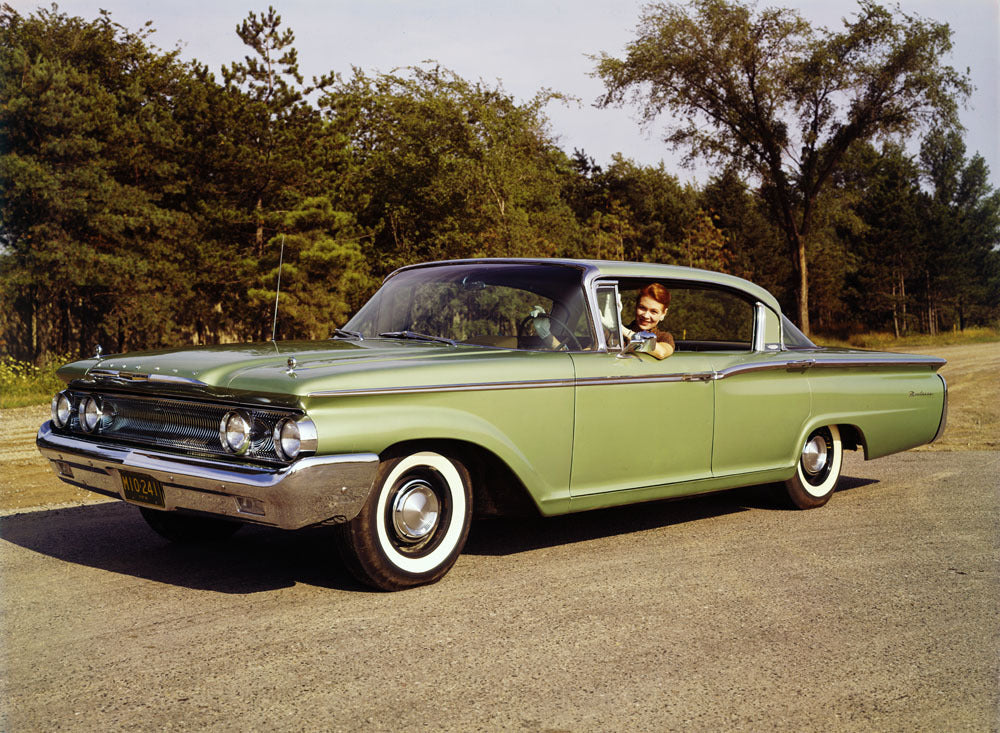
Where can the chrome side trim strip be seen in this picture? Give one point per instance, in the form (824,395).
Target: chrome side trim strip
(790,364)
(835,363)
(431,388)
(766,367)
(532,384)
(926,361)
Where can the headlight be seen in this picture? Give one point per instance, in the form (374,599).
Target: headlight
(91,413)
(287,438)
(62,408)
(293,436)
(235,431)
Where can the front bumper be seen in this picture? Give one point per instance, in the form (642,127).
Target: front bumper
(309,491)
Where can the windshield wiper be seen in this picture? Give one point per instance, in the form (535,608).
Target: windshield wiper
(344,333)
(416,336)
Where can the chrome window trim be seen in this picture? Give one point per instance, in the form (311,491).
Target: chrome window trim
(759,327)
(595,313)
(591,276)
(600,279)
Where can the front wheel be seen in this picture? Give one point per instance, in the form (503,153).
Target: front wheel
(818,469)
(413,526)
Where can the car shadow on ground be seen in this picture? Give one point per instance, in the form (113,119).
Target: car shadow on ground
(509,536)
(114,537)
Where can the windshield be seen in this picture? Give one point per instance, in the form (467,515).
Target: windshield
(511,305)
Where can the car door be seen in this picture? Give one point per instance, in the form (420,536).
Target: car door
(762,401)
(640,421)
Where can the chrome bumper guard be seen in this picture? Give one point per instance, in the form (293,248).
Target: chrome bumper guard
(309,491)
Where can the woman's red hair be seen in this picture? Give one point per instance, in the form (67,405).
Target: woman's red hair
(657,292)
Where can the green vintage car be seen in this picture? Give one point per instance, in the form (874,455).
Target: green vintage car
(485,387)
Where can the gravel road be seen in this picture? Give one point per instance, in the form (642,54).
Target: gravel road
(876,612)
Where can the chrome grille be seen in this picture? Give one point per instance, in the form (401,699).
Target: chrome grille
(176,424)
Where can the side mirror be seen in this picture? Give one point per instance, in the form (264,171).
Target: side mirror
(642,342)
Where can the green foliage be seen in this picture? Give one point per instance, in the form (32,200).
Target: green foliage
(89,160)
(446,168)
(762,90)
(631,212)
(145,204)
(23,383)
(324,275)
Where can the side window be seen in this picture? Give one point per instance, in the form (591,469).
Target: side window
(607,306)
(714,319)
(698,318)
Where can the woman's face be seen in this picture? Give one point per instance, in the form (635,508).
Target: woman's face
(648,313)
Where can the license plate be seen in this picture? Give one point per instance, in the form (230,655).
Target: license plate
(142,488)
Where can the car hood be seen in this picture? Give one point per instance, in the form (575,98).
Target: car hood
(254,370)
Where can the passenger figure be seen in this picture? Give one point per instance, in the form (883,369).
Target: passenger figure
(650,310)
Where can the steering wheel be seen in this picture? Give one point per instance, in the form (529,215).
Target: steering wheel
(522,330)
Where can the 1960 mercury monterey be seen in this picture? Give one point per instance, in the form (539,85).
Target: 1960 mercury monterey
(484,387)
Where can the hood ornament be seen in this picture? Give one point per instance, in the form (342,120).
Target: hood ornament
(98,351)
(291,366)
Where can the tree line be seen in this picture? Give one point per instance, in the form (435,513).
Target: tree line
(146,203)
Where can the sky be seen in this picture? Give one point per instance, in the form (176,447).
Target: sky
(527,45)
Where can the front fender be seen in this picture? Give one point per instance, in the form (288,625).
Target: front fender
(531,430)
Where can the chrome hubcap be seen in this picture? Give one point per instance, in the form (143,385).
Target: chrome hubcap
(415,511)
(814,455)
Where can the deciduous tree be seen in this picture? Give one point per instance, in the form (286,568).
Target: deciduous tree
(783,101)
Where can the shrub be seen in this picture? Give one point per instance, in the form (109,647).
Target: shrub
(23,383)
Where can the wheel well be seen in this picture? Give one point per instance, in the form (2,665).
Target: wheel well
(496,489)
(852,438)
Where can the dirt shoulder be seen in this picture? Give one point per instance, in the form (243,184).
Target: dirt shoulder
(25,477)
(973,376)
(972,372)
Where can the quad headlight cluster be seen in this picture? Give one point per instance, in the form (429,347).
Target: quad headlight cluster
(292,436)
(90,411)
(242,432)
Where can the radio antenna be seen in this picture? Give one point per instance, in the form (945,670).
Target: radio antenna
(277,292)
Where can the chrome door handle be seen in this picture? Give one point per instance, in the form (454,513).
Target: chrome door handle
(698,377)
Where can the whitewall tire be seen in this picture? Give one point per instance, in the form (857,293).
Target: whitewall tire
(818,469)
(413,526)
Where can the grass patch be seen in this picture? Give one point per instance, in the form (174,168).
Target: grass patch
(886,341)
(23,383)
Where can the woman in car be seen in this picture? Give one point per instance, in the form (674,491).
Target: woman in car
(650,310)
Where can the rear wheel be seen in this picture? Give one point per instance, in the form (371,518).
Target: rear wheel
(188,529)
(413,526)
(818,469)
